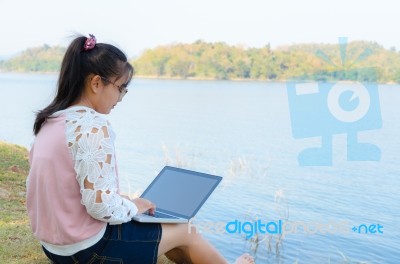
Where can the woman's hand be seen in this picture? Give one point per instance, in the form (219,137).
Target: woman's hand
(144,205)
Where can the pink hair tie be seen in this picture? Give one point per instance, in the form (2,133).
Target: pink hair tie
(89,43)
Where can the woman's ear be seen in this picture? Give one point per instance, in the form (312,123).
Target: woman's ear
(95,84)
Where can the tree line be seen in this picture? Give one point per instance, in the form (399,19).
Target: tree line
(38,59)
(357,61)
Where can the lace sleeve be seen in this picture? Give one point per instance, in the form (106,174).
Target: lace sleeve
(90,140)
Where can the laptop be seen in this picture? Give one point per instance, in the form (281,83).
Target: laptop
(178,195)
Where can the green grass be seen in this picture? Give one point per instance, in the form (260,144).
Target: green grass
(17,243)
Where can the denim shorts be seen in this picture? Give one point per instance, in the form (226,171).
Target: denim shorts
(132,242)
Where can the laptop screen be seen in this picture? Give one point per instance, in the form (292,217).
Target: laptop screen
(180,192)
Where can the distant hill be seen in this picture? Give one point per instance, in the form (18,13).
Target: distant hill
(306,61)
(39,59)
(362,61)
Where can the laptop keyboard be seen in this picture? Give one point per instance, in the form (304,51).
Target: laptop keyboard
(161,215)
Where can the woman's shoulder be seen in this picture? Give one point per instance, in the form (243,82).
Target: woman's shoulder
(80,112)
(85,117)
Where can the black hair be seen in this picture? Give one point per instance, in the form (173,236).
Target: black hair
(104,59)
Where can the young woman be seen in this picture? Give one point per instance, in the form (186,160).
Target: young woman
(73,198)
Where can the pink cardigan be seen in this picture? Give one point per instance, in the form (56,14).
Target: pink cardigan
(58,213)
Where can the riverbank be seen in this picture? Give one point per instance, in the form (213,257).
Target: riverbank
(18,245)
(155,77)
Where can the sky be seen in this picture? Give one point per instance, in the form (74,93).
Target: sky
(138,25)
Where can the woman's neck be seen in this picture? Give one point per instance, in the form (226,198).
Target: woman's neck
(84,102)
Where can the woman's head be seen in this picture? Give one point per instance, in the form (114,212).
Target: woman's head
(89,71)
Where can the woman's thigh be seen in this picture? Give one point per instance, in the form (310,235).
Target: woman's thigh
(176,235)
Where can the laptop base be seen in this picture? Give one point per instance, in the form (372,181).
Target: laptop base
(145,218)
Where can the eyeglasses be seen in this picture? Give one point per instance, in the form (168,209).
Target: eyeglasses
(121,88)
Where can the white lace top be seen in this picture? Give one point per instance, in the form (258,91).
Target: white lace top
(90,140)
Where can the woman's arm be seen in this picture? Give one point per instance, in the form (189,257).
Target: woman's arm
(92,148)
